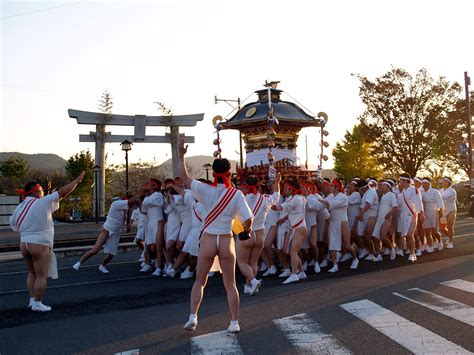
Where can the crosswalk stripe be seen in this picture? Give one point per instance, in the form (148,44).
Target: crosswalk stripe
(221,342)
(463,285)
(454,309)
(308,336)
(129,352)
(406,333)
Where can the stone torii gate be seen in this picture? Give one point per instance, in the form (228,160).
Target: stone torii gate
(139,122)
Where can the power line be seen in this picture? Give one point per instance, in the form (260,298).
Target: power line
(41,10)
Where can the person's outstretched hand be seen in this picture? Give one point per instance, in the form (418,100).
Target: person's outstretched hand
(182,148)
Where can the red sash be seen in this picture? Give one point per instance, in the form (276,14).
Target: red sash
(406,203)
(297,224)
(258,203)
(196,214)
(224,201)
(25,211)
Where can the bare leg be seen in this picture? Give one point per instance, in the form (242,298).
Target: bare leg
(346,239)
(31,278)
(256,251)
(207,252)
(107,259)
(244,248)
(267,254)
(41,256)
(227,262)
(450,225)
(104,234)
(297,241)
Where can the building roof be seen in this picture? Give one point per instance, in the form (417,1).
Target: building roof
(284,111)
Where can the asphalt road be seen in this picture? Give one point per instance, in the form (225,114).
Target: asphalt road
(125,310)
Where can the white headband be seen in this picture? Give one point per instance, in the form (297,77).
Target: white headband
(426,180)
(405,178)
(387,183)
(417,179)
(448,180)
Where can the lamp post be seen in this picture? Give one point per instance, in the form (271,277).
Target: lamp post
(96,171)
(467,82)
(207,167)
(126,147)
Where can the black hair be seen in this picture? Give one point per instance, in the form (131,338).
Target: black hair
(405,175)
(251,181)
(30,186)
(157,182)
(294,183)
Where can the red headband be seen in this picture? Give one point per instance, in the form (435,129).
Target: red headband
(224,176)
(154,184)
(326,183)
(311,187)
(251,189)
(337,184)
(295,190)
(35,188)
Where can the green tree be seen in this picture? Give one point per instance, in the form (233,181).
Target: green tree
(408,118)
(106,103)
(355,156)
(14,167)
(77,163)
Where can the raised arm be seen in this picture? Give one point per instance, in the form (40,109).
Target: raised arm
(66,190)
(183,172)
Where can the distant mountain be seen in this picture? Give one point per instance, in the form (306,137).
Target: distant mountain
(47,163)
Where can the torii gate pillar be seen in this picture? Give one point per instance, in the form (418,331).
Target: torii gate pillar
(140,122)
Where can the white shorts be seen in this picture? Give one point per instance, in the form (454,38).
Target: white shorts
(184,231)
(191,246)
(112,243)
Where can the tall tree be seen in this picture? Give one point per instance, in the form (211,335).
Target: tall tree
(354,156)
(407,118)
(77,163)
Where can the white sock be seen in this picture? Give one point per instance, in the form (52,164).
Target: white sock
(193,317)
(32,299)
(234,322)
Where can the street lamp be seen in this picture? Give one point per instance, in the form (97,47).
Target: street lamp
(96,171)
(126,146)
(207,167)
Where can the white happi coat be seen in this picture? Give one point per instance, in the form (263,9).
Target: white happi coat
(208,195)
(338,210)
(432,202)
(449,196)
(198,214)
(411,205)
(153,207)
(353,209)
(295,207)
(387,203)
(260,212)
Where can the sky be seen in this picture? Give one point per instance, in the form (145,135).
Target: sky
(61,55)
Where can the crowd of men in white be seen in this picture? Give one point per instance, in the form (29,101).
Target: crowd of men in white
(298,228)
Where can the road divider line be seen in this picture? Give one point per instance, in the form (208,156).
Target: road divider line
(459,284)
(23,290)
(216,343)
(406,333)
(454,309)
(308,336)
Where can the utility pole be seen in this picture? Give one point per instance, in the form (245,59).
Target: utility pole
(467,82)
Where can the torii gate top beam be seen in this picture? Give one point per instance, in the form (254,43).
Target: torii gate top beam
(93,118)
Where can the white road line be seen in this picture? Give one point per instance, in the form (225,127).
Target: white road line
(216,343)
(308,337)
(463,285)
(9,292)
(408,334)
(129,352)
(454,309)
(70,267)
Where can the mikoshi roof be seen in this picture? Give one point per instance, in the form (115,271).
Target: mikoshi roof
(284,111)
